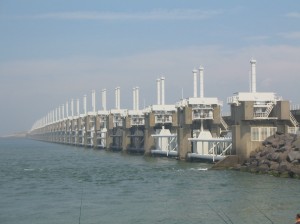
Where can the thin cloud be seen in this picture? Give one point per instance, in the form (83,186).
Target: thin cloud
(291,35)
(257,38)
(293,15)
(175,14)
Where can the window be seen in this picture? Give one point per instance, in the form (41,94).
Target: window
(261,133)
(254,134)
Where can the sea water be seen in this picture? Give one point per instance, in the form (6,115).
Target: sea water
(51,183)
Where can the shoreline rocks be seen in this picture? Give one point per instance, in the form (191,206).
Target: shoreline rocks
(278,155)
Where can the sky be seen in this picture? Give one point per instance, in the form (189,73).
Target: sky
(54,50)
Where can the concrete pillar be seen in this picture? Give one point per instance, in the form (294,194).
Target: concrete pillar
(125,138)
(184,145)
(109,131)
(149,130)
(148,140)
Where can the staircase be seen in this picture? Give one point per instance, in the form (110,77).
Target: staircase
(224,124)
(269,109)
(293,120)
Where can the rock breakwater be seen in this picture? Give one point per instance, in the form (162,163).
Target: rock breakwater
(278,155)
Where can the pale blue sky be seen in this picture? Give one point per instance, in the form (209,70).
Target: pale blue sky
(55,50)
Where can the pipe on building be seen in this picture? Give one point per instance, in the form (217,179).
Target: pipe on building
(162,90)
(56,115)
(201,81)
(119,98)
(63,111)
(104,99)
(94,101)
(59,113)
(72,108)
(84,104)
(195,82)
(116,98)
(134,98)
(77,111)
(67,109)
(253,75)
(137,96)
(158,91)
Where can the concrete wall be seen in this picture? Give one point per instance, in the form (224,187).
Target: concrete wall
(242,116)
(282,110)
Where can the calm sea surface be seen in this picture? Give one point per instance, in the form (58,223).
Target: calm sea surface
(50,183)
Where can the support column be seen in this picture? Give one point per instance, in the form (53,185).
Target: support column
(110,126)
(149,130)
(184,145)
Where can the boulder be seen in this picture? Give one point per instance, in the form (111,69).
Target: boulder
(295,170)
(274,156)
(263,168)
(274,166)
(284,167)
(293,155)
(296,144)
